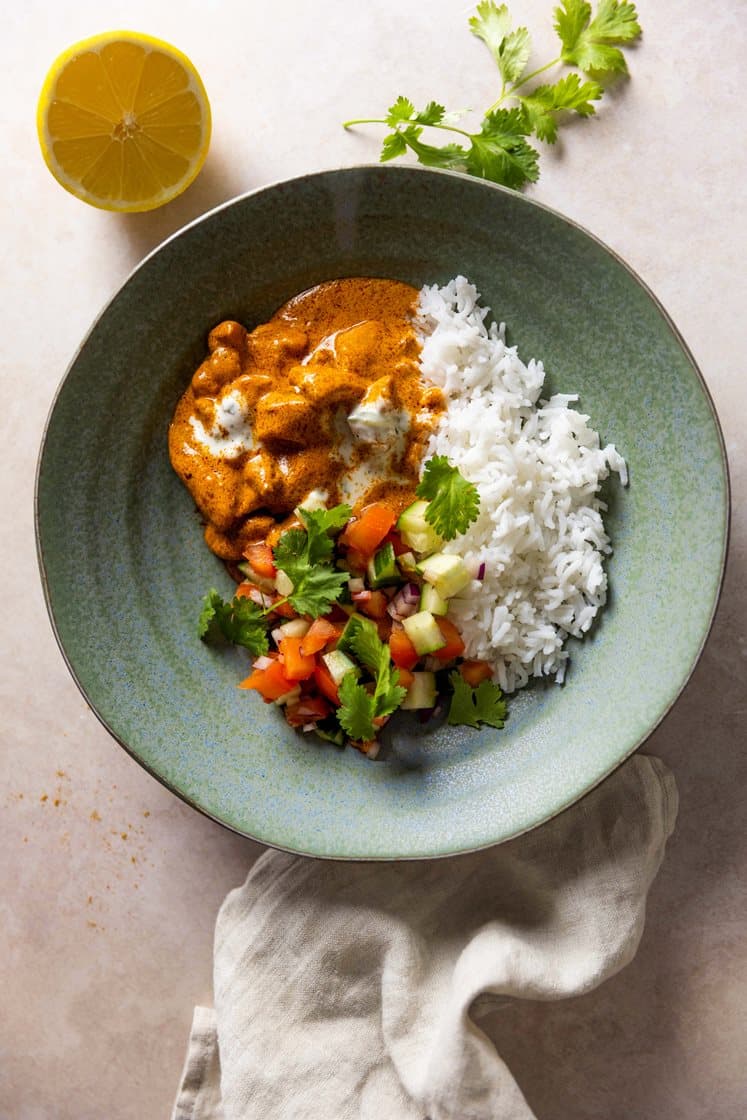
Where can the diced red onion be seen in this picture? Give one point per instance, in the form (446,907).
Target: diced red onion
(355,584)
(309,727)
(361,596)
(405,602)
(262,663)
(373,749)
(259,598)
(277,636)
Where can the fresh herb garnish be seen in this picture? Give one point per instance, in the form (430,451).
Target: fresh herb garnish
(325,521)
(359,706)
(473,706)
(304,556)
(453,503)
(499,150)
(241,621)
(591,44)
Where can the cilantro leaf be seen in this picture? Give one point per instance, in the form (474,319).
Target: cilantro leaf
(393,146)
(510,49)
(375,656)
(453,503)
(432,114)
(451,156)
(389,694)
(592,44)
(359,707)
(366,643)
(325,520)
(499,151)
(357,710)
(316,584)
(315,590)
(241,621)
(473,706)
(570,93)
(402,110)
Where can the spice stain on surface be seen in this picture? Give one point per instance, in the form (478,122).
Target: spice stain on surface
(325,399)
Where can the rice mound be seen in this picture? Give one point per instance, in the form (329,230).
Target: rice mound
(538,467)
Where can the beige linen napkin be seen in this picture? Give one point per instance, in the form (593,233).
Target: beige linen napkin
(348,991)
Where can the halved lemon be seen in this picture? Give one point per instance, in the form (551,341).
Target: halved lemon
(123,121)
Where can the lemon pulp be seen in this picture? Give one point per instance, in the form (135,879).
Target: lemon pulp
(124,121)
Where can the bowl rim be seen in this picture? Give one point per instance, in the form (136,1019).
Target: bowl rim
(389,170)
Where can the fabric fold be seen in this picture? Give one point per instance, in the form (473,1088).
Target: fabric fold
(352,990)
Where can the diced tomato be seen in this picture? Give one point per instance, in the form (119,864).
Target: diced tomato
(271,683)
(395,540)
(375,606)
(405,677)
(260,558)
(366,532)
(307,710)
(244,590)
(285,610)
(316,637)
(297,666)
(454,644)
(475,671)
(404,654)
(356,560)
(326,684)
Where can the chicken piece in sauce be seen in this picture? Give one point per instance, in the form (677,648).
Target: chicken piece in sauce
(325,398)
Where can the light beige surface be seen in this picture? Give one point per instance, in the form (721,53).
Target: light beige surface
(110,885)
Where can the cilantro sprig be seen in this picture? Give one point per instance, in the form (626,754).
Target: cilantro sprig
(304,556)
(241,621)
(473,706)
(453,502)
(499,149)
(360,706)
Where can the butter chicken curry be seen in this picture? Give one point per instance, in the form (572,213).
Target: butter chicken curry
(321,405)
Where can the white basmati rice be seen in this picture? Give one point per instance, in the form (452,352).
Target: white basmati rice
(538,467)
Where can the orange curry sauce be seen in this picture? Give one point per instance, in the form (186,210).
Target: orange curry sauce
(325,400)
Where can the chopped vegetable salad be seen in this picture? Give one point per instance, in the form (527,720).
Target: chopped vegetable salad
(347,618)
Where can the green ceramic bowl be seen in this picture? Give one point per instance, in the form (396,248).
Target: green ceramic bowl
(124,565)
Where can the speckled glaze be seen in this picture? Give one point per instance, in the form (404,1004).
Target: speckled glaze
(124,565)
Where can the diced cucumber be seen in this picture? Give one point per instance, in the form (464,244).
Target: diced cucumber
(422,691)
(430,600)
(264,583)
(298,627)
(382,568)
(408,565)
(336,736)
(416,531)
(424,632)
(289,697)
(448,574)
(283,584)
(338,665)
(343,642)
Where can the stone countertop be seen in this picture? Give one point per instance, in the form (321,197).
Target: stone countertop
(110,884)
